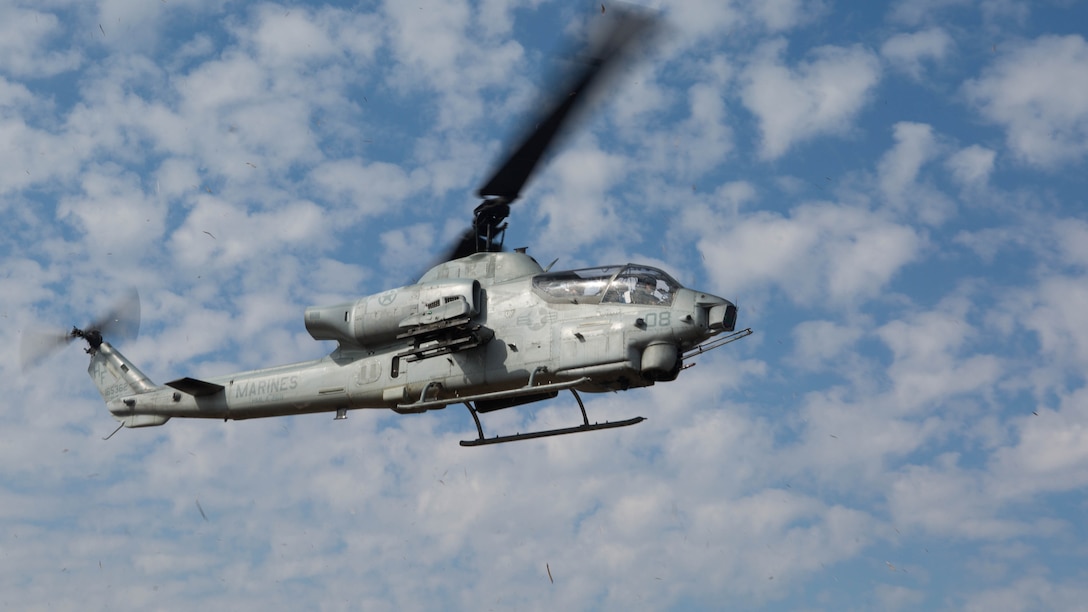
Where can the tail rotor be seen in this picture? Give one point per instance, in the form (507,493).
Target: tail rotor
(122,322)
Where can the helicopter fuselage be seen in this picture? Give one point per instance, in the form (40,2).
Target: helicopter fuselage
(492,328)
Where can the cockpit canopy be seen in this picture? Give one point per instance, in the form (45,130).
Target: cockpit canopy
(629,284)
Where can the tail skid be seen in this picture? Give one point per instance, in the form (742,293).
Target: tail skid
(118,380)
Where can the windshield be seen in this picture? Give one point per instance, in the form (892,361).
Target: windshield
(628,284)
(577,286)
(641,285)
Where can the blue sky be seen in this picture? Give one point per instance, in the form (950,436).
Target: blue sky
(892,192)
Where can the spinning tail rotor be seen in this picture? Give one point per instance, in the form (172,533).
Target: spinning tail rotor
(120,322)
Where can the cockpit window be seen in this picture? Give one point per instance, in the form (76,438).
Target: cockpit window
(610,284)
(583,286)
(641,285)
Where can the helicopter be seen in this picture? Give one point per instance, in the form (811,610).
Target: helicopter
(485,328)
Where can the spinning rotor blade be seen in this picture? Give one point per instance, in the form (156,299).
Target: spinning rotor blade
(121,322)
(487,224)
(622,30)
(36,345)
(465,246)
(620,33)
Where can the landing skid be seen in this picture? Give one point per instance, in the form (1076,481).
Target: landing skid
(585,426)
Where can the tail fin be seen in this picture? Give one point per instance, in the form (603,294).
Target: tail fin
(118,380)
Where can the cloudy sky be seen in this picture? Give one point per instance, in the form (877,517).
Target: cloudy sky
(892,192)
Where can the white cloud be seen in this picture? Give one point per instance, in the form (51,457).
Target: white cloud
(699,18)
(915,145)
(946,500)
(846,439)
(780,15)
(971,166)
(288,36)
(405,250)
(1059,316)
(115,212)
(639,93)
(703,142)
(430,38)
(930,364)
(1050,453)
(909,52)
(1072,240)
(25,40)
(579,210)
(1038,94)
(360,189)
(714,211)
(820,96)
(232,80)
(914,12)
(820,342)
(33,156)
(899,169)
(285,36)
(896,597)
(14,95)
(1028,593)
(437,44)
(335,281)
(821,253)
(219,234)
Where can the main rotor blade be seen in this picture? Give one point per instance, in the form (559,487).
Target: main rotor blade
(465,246)
(621,31)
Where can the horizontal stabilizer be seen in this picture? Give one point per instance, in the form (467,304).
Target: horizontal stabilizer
(192,386)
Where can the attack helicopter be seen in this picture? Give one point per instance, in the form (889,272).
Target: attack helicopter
(485,328)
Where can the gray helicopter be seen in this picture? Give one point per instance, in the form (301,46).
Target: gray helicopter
(485,328)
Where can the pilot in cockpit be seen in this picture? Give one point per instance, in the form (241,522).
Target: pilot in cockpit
(641,290)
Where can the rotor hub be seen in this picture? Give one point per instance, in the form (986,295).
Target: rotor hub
(93,337)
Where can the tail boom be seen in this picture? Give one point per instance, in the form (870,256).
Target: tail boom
(119,382)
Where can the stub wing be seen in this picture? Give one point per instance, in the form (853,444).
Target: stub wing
(195,387)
